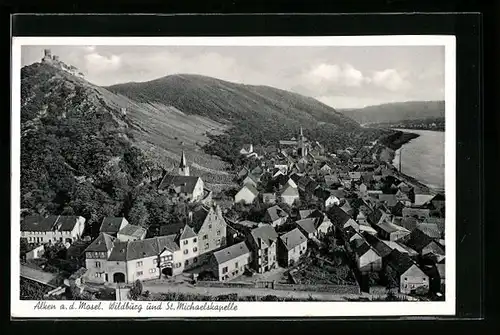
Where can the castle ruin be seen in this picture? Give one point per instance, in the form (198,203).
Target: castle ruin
(53,60)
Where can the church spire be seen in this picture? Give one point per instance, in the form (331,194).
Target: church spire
(183,167)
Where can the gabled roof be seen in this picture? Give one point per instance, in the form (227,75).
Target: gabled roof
(292,239)
(308,225)
(133,230)
(251,188)
(275,213)
(38,223)
(429,229)
(304,213)
(397,209)
(231,252)
(142,249)
(391,228)
(266,233)
(181,184)
(439,197)
(417,240)
(338,216)
(390,199)
(103,243)
(187,232)
(111,225)
(119,252)
(288,190)
(439,222)
(377,216)
(409,223)
(171,228)
(400,262)
(382,249)
(67,223)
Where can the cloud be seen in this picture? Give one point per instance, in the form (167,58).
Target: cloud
(96,62)
(391,79)
(341,75)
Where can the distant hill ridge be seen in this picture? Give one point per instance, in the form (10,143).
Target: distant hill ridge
(397,112)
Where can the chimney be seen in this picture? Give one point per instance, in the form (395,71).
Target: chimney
(190,216)
(286,240)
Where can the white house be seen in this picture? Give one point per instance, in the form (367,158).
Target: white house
(51,229)
(246,195)
(289,194)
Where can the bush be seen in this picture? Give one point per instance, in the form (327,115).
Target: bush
(136,290)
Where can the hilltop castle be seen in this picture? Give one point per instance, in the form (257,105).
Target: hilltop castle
(53,60)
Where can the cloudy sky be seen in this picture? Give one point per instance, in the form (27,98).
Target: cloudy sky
(342,77)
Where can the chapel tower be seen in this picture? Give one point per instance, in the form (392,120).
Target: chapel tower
(183,167)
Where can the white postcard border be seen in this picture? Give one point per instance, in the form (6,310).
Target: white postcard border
(25,309)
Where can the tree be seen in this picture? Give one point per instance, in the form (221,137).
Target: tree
(390,278)
(139,214)
(373,278)
(136,290)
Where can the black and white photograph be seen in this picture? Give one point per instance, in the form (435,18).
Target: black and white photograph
(157,175)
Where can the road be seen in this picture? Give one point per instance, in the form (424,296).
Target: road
(214,291)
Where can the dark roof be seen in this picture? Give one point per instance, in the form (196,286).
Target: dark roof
(119,252)
(382,249)
(266,233)
(252,177)
(295,177)
(133,230)
(376,217)
(275,213)
(417,240)
(111,225)
(399,261)
(171,228)
(389,199)
(67,223)
(338,216)
(388,227)
(308,225)
(409,223)
(181,184)
(187,232)
(363,248)
(142,249)
(251,188)
(102,243)
(292,239)
(439,197)
(167,242)
(397,209)
(440,222)
(429,229)
(231,252)
(304,213)
(77,248)
(289,191)
(38,223)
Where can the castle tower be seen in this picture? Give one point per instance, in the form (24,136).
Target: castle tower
(183,167)
(47,56)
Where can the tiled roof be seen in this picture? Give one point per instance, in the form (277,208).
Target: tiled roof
(102,243)
(251,188)
(290,191)
(399,262)
(182,184)
(308,225)
(132,230)
(38,223)
(67,223)
(418,240)
(390,228)
(142,249)
(119,252)
(304,213)
(292,239)
(266,233)
(187,232)
(382,249)
(338,216)
(275,213)
(429,229)
(231,252)
(171,228)
(111,225)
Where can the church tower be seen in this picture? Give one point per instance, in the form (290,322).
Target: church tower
(302,144)
(183,167)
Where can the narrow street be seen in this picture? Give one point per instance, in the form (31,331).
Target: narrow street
(214,291)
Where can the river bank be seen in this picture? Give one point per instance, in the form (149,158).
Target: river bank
(393,144)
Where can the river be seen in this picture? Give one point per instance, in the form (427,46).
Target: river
(423,157)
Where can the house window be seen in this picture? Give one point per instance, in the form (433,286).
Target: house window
(186,251)
(185,242)
(210,226)
(178,265)
(139,273)
(218,232)
(207,246)
(186,263)
(236,265)
(195,249)
(224,269)
(218,241)
(139,264)
(195,259)
(406,278)
(153,270)
(96,275)
(424,279)
(195,240)
(97,264)
(205,237)
(300,252)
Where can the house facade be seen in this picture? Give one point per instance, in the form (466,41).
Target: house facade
(263,243)
(230,262)
(292,246)
(52,229)
(289,195)
(246,195)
